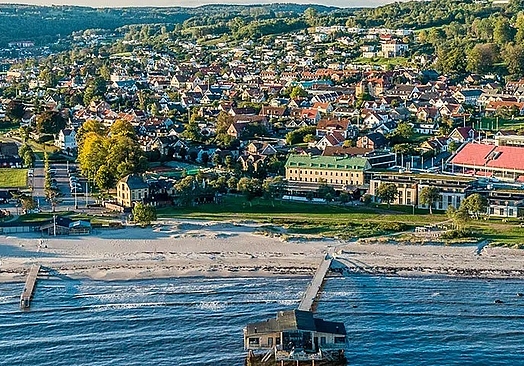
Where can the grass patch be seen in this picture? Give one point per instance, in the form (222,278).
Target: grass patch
(382,61)
(13,178)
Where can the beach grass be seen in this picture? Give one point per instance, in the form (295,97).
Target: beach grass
(345,221)
(13,178)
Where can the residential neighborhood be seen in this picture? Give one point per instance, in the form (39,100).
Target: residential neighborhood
(296,105)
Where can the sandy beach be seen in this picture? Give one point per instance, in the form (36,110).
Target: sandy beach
(190,248)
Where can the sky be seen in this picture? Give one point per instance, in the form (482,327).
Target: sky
(163,3)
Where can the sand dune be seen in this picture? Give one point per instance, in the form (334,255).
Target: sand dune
(192,248)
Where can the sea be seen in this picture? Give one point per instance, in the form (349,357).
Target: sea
(199,321)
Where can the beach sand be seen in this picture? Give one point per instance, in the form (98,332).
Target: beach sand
(177,248)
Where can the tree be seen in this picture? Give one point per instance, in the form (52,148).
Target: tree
(482,57)
(453,146)
(274,187)
(502,32)
(514,58)
(104,178)
(122,127)
(90,125)
(250,187)
(474,204)
(404,130)
(144,214)
(92,154)
(15,110)
(50,122)
(325,191)
(428,196)
(28,203)
(387,192)
(26,153)
(458,217)
(187,190)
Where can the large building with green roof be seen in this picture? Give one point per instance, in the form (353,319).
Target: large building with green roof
(338,171)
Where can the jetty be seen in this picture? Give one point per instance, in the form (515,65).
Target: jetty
(29,287)
(312,291)
(297,336)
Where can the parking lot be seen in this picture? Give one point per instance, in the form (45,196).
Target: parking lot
(71,185)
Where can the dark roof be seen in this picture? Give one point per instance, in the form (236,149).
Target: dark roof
(295,320)
(134,181)
(377,138)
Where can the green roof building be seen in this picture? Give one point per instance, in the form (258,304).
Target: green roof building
(334,170)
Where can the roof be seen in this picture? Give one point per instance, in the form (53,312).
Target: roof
(338,124)
(295,320)
(134,181)
(327,162)
(501,157)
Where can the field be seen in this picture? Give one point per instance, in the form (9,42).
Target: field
(11,178)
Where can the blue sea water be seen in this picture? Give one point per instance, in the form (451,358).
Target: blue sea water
(199,321)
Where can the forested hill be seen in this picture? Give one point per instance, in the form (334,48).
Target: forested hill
(44,24)
(426,14)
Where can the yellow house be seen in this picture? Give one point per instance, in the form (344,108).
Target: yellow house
(131,189)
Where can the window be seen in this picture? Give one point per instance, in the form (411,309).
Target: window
(450,200)
(322,341)
(501,211)
(254,341)
(270,341)
(510,212)
(492,210)
(340,339)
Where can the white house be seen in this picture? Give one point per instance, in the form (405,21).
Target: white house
(66,140)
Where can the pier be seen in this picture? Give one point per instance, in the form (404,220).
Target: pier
(308,300)
(30,283)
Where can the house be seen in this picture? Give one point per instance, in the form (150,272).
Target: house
(426,128)
(435,145)
(374,141)
(327,126)
(260,148)
(463,134)
(428,114)
(131,189)
(323,107)
(273,112)
(394,48)
(512,106)
(295,333)
(334,138)
(468,96)
(8,148)
(374,119)
(66,140)
(65,226)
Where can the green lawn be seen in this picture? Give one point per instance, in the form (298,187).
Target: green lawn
(13,178)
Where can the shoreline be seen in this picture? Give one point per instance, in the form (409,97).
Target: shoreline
(185,248)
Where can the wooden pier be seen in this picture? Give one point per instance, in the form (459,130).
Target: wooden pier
(30,283)
(308,300)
